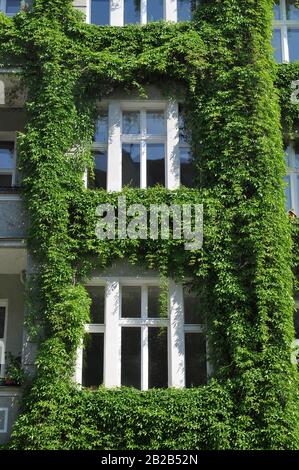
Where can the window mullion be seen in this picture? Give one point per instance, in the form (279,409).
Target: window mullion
(143,179)
(116,12)
(172,163)
(144,339)
(176,336)
(112,340)
(170,9)
(285,43)
(143,15)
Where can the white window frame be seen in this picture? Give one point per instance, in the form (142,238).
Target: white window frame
(293,173)
(3,303)
(176,329)
(10,137)
(117,12)
(283,25)
(5,427)
(116,139)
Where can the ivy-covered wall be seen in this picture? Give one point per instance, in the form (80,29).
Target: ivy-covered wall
(243,274)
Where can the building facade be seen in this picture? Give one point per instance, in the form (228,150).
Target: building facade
(138,142)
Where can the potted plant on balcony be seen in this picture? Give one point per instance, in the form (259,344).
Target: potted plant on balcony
(14,373)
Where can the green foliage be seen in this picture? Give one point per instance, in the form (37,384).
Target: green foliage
(223,61)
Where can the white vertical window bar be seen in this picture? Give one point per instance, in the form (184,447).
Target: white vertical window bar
(143,156)
(176,347)
(170,8)
(143,13)
(4,304)
(172,163)
(112,343)
(116,12)
(114,165)
(144,338)
(88,11)
(79,364)
(285,46)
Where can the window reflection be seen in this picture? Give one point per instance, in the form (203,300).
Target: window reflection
(155,10)
(100,12)
(132,11)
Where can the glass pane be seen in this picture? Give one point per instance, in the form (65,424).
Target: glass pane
(155,155)
(157,357)
(2,321)
(293,38)
(100,12)
(131,165)
(6,155)
(154,301)
(131,302)
(288,151)
(297,191)
(287,191)
(5,181)
(187,172)
(100,171)
(182,129)
(155,123)
(184,8)
(101,133)
(132,11)
(292,10)
(296,323)
(93,360)
(155,10)
(131,122)
(12,6)
(195,359)
(192,311)
(296,148)
(131,357)
(276,9)
(276,44)
(97,308)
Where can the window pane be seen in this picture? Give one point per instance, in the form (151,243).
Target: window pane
(2,321)
(131,357)
(293,38)
(100,12)
(155,10)
(132,11)
(131,122)
(297,190)
(296,323)
(12,6)
(97,308)
(296,148)
(287,191)
(99,181)
(157,356)
(131,165)
(155,122)
(276,8)
(154,301)
(184,8)
(101,133)
(187,172)
(292,10)
(192,311)
(6,155)
(131,302)
(5,181)
(195,359)
(155,154)
(182,128)
(93,360)
(276,44)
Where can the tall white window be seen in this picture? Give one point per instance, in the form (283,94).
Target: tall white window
(7,164)
(129,343)
(123,12)
(3,326)
(137,144)
(286,31)
(292,177)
